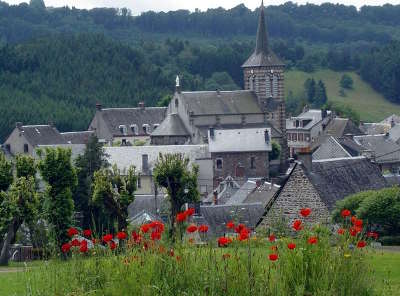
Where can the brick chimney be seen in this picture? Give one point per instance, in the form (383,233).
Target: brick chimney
(305,157)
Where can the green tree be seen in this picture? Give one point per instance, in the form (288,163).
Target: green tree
(113,192)
(86,165)
(320,97)
(37,4)
(172,173)
(6,174)
(25,166)
(310,89)
(346,81)
(275,152)
(17,206)
(57,170)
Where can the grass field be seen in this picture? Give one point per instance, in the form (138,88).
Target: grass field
(371,105)
(386,266)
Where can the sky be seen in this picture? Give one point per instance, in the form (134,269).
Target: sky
(138,6)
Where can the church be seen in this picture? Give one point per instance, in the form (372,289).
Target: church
(225,119)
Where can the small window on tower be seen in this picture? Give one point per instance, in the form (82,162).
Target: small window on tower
(268,86)
(219,163)
(275,86)
(252,82)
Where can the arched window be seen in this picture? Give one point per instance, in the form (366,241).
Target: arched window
(275,90)
(252,82)
(268,86)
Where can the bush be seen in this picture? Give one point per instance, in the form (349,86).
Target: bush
(390,240)
(346,81)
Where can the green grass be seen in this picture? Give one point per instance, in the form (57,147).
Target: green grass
(371,105)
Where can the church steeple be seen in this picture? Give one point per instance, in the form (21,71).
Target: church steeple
(262,35)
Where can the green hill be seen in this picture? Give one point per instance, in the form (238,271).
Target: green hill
(371,105)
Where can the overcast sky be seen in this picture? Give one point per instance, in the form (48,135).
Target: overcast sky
(138,6)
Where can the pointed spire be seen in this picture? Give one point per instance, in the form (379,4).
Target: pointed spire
(262,36)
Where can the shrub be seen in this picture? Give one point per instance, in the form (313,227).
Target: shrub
(390,240)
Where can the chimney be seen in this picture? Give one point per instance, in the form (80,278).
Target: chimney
(99,106)
(305,157)
(18,125)
(141,105)
(215,193)
(218,92)
(305,108)
(178,85)
(212,132)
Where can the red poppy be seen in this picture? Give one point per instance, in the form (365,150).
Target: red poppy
(291,246)
(113,245)
(239,228)
(65,248)
(190,211)
(312,240)
(72,231)
(84,247)
(354,231)
(191,228)
(341,231)
(145,228)
(244,234)
(95,241)
(305,212)
(272,238)
(358,223)
(297,225)
(136,237)
(107,238)
(273,257)
(226,256)
(274,248)
(155,235)
(181,217)
(157,225)
(353,219)
(75,243)
(224,241)
(122,235)
(203,228)
(172,253)
(361,244)
(372,234)
(230,225)
(87,233)
(345,213)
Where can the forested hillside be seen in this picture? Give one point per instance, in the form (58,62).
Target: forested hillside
(57,63)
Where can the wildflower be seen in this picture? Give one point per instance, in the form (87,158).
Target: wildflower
(354,231)
(244,234)
(347,255)
(181,217)
(145,228)
(121,235)
(136,237)
(239,228)
(172,253)
(178,258)
(72,231)
(87,233)
(107,238)
(272,238)
(189,212)
(191,228)
(95,241)
(273,257)
(113,245)
(155,235)
(358,223)
(75,243)
(224,241)
(291,246)
(191,240)
(84,247)
(203,228)
(157,225)
(312,240)
(297,225)
(361,244)
(230,225)
(65,248)
(226,256)
(274,248)
(372,234)
(353,219)
(305,212)
(341,231)
(345,213)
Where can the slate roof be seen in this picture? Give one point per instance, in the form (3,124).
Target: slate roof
(171,126)
(394,133)
(225,190)
(351,146)
(313,115)
(339,127)
(149,204)
(78,137)
(114,117)
(221,102)
(338,178)
(42,135)
(204,129)
(391,119)
(385,150)
(262,194)
(330,148)
(375,128)
(242,193)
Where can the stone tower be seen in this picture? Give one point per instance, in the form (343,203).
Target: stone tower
(264,74)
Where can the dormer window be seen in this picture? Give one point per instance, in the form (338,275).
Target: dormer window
(123,129)
(156,125)
(146,129)
(134,129)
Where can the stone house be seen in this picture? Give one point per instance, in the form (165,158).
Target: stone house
(319,185)
(126,126)
(193,113)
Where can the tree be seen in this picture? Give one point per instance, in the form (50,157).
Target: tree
(18,205)
(25,166)
(320,97)
(57,170)
(113,192)
(172,173)
(6,175)
(275,152)
(37,4)
(310,89)
(346,81)
(87,164)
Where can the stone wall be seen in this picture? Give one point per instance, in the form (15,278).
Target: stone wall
(297,193)
(169,140)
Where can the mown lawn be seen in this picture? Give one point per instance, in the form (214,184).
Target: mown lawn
(371,105)
(386,265)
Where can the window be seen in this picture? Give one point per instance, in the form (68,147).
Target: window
(134,129)
(156,125)
(123,143)
(146,129)
(145,162)
(252,82)
(26,148)
(275,86)
(301,137)
(268,86)
(139,181)
(266,136)
(123,130)
(219,163)
(252,162)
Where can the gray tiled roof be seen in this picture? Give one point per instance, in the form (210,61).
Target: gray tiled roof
(148,203)
(375,128)
(385,150)
(391,119)
(351,146)
(171,126)
(338,178)
(77,137)
(42,135)
(394,133)
(222,102)
(330,148)
(339,127)
(262,194)
(114,117)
